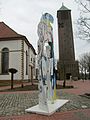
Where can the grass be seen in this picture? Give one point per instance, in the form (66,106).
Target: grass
(4,84)
(32,87)
(8,82)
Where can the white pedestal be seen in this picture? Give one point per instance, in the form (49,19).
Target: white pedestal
(51,107)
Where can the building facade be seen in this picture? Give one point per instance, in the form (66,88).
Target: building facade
(67,65)
(16,52)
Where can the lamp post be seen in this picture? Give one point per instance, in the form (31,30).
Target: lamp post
(12,71)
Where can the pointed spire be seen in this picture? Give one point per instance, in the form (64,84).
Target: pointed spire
(62,4)
(63,7)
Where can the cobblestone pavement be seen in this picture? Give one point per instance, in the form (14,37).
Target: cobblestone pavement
(71,115)
(16,103)
(13,104)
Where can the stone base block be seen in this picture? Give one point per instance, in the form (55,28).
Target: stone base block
(52,107)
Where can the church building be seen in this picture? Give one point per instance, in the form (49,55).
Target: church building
(16,52)
(67,65)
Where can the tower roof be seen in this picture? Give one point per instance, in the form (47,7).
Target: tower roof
(63,7)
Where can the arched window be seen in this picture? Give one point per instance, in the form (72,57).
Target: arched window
(26,63)
(5,60)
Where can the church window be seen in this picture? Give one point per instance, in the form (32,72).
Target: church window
(5,60)
(26,63)
(33,60)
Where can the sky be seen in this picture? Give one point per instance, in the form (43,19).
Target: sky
(23,16)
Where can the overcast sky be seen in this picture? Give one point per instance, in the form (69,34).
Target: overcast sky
(24,15)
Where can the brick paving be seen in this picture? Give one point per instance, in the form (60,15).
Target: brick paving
(16,103)
(71,115)
(80,87)
(13,104)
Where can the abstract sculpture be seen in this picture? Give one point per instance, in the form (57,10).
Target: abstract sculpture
(48,102)
(46,63)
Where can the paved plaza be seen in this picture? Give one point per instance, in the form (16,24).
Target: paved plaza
(13,105)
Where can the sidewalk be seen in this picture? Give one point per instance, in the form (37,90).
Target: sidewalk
(80,87)
(69,115)
(13,104)
(14,86)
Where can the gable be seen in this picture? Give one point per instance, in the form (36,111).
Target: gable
(6,31)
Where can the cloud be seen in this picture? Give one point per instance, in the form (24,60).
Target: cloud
(24,15)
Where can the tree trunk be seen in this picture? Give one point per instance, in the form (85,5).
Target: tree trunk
(64,83)
(89,73)
(85,75)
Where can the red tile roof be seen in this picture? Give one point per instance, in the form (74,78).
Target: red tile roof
(6,33)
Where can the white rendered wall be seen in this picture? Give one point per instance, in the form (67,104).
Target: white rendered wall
(32,63)
(14,47)
(25,49)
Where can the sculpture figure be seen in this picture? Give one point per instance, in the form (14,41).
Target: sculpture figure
(48,103)
(46,64)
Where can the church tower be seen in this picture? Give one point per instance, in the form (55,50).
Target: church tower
(67,64)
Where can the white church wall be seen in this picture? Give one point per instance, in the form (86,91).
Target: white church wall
(15,62)
(29,69)
(0,61)
(31,57)
(25,49)
(32,63)
(14,47)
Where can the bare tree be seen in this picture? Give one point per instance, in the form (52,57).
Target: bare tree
(81,70)
(88,63)
(83,22)
(84,65)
